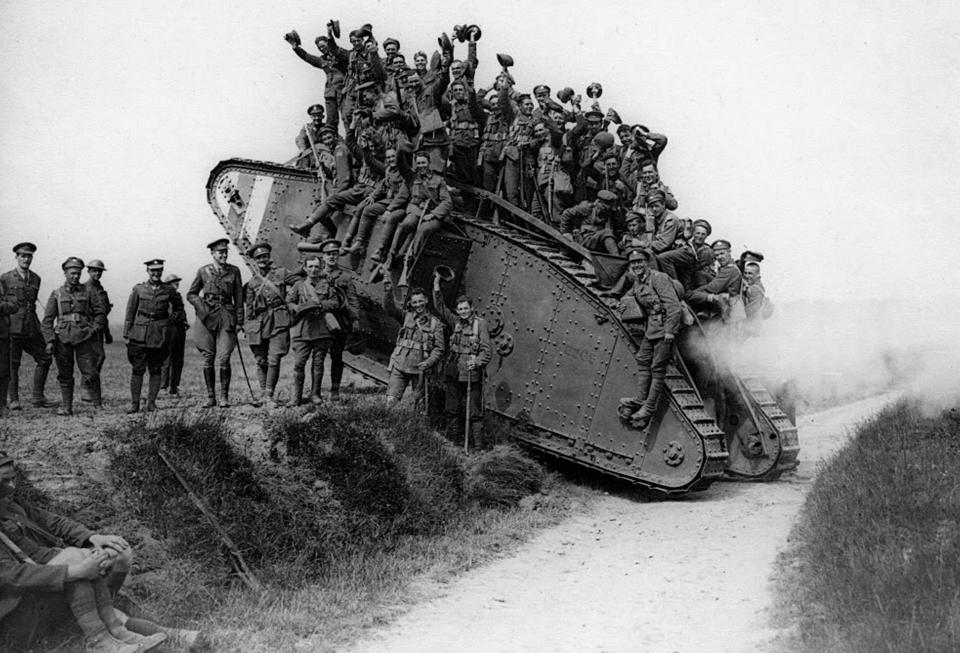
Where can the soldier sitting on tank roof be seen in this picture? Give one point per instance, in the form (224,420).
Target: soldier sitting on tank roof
(656,296)
(663,224)
(756,304)
(686,263)
(635,235)
(608,178)
(718,297)
(647,182)
(419,344)
(589,223)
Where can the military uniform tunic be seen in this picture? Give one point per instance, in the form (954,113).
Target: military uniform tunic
(73,318)
(309,300)
(419,342)
(25,333)
(8,306)
(153,311)
(217,295)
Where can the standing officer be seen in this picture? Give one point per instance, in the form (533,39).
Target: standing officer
(713,299)
(173,364)
(266,317)
(467,358)
(23,287)
(217,295)
(95,270)
(152,310)
(73,318)
(8,306)
(657,297)
(344,284)
(312,302)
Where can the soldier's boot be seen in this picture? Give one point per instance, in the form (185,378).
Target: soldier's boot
(153,389)
(39,383)
(104,642)
(186,640)
(642,416)
(209,379)
(224,401)
(262,379)
(136,385)
(315,397)
(273,375)
(298,379)
(14,390)
(302,229)
(630,405)
(66,400)
(97,394)
(115,627)
(86,391)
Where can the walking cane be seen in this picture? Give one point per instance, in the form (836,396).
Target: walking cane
(243,367)
(466,426)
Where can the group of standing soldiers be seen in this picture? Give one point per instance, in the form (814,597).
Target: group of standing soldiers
(74,329)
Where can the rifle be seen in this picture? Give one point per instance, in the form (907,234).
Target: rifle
(316,159)
(236,559)
(408,257)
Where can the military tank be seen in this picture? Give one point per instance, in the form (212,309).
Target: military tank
(563,358)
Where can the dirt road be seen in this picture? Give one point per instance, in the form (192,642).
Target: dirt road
(628,575)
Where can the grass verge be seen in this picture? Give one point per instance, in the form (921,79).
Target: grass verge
(876,555)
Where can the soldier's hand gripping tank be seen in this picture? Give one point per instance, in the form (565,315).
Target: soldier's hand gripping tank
(267,317)
(72,319)
(656,296)
(23,287)
(153,310)
(217,295)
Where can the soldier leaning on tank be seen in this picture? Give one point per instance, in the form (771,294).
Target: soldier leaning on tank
(468,353)
(8,306)
(217,295)
(173,363)
(589,223)
(23,287)
(311,301)
(152,309)
(51,565)
(364,65)
(344,283)
(684,263)
(419,344)
(333,61)
(519,154)
(342,189)
(267,320)
(71,322)
(429,206)
(713,299)
(646,147)
(95,270)
(310,133)
(608,178)
(657,298)
(466,125)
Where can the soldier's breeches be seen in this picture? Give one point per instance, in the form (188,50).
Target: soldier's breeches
(336,202)
(303,349)
(146,358)
(654,355)
(4,369)
(491,174)
(512,180)
(463,163)
(332,115)
(423,234)
(398,382)
(390,221)
(368,217)
(35,347)
(85,356)
(173,366)
(98,348)
(215,347)
(405,228)
(272,350)
(455,402)
(678,263)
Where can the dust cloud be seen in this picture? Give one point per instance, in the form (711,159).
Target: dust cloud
(829,352)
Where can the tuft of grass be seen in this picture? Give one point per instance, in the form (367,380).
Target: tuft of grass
(502,477)
(877,557)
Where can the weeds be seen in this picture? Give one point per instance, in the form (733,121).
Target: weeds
(880,539)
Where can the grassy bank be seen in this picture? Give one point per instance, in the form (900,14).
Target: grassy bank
(876,555)
(344,517)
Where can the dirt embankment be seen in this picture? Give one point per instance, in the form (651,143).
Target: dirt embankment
(685,575)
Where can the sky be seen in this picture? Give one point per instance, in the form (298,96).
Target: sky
(823,134)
